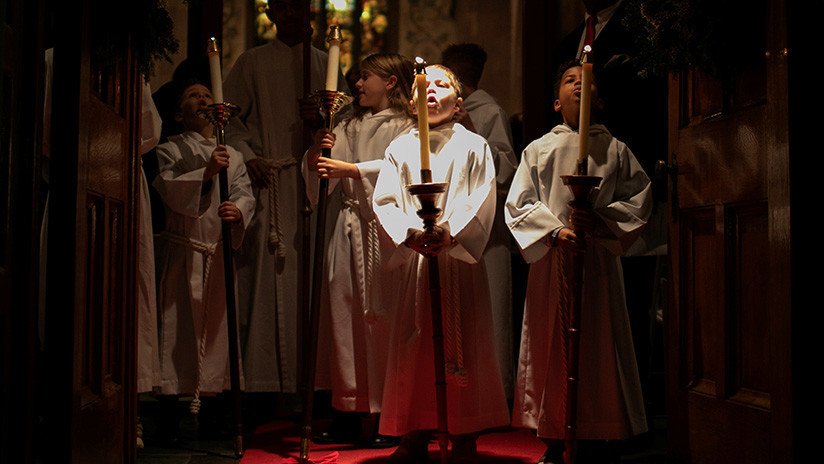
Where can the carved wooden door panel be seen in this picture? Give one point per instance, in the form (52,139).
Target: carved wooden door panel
(91,299)
(729,378)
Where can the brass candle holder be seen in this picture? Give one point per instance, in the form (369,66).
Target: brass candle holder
(330,102)
(218,114)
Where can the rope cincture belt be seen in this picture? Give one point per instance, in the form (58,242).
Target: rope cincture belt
(275,234)
(372,259)
(453,340)
(208,252)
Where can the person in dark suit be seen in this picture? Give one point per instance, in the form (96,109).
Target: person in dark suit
(642,124)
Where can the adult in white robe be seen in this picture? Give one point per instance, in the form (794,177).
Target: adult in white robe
(475,395)
(610,405)
(359,290)
(192,294)
(266,83)
(491,122)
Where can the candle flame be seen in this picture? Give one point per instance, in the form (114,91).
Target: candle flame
(585,54)
(420,65)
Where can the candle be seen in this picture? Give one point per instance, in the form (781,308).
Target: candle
(423,111)
(214,71)
(334,58)
(583,117)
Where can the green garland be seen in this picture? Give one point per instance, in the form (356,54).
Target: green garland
(673,35)
(154,38)
(152,35)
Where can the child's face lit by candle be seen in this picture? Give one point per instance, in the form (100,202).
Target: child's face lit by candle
(569,96)
(442,99)
(194,98)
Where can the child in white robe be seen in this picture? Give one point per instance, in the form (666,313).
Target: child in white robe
(357,290)
(610,405)
(475,395)
(191,291)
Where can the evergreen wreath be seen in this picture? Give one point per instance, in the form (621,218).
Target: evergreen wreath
(151,30)
(674,35)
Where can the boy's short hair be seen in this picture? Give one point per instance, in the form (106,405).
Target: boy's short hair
(181,86)
(466,60)
(559,74)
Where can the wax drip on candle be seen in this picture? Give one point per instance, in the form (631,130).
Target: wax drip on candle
(423,114)
(214,71)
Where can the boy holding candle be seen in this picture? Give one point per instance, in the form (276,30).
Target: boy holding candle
(194,355)
(610,405)
(475,395)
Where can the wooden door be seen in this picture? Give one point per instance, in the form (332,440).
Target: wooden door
(728,338)
(92,237)
(21,64)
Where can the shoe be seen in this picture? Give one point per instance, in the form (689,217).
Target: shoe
(382,441)
(413,449)
(344,430)
(554,455)
(464,449)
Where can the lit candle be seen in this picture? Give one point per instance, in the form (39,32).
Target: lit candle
(583,118)
(214,71)
(334,58)
(423,111)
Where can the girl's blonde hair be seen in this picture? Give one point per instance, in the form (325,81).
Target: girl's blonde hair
(386,65)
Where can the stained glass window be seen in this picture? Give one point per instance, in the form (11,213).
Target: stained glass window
(364,25)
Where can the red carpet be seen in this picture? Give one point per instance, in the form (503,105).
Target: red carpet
(275,442)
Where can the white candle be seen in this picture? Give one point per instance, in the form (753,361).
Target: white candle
(423,112)
(214,71)
(333,65)
(583,117)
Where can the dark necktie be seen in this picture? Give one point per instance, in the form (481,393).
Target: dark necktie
(590,29)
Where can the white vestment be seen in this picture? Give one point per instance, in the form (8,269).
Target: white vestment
(358,293)
(266,83)
(492,123)
(475,395)
(148,354)
(610,405)
(192,297)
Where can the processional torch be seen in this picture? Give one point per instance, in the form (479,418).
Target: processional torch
(581,185)
(428,193)
(330,101)
(219,114)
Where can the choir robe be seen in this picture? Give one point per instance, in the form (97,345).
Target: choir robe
(190,263)
(357,289)
(610,405)
(266,83)
(475,395)
(492,123)
(148,352)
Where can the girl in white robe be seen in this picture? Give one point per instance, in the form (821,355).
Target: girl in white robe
(475,395)
(610,405)
(357,290)
(192,301)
